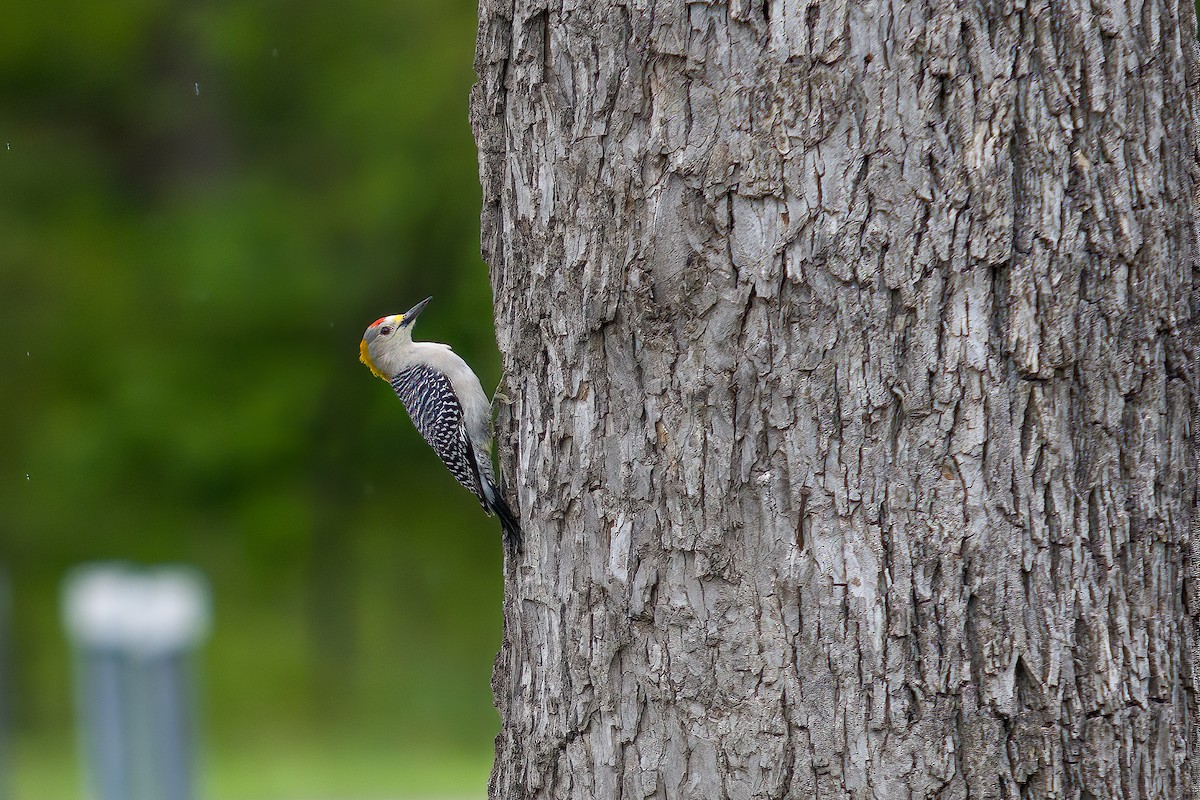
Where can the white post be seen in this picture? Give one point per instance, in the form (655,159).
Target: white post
(133,632)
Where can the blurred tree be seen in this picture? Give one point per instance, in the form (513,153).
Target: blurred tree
(203,208)
(850,408)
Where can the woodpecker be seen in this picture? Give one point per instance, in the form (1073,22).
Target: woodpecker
(446,403)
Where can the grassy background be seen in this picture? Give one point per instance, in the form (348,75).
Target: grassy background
(201,208)
(290,769)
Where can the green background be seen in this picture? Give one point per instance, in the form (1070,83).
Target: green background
(201,208)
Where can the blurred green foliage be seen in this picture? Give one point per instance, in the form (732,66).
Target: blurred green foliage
(201,208)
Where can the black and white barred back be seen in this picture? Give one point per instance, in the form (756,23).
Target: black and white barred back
(431,403)
(429,398)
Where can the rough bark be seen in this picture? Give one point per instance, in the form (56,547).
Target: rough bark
(1193,579)
(850,403)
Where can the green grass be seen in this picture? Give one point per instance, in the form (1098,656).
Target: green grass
(310,771)
(44,768)
(280,770)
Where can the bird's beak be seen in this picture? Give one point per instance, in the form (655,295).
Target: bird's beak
(412,313)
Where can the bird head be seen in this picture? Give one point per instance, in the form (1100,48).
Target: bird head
(385,340)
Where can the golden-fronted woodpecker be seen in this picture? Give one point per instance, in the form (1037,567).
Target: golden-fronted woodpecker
(446,403)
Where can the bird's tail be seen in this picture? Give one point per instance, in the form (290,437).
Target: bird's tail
(508,521)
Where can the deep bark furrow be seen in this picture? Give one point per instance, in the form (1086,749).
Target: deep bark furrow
(848,424)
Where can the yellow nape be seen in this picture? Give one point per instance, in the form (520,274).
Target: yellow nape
(365,358)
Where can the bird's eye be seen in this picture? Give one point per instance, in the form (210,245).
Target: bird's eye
(385,330)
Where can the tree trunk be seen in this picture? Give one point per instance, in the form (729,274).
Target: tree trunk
(850,408)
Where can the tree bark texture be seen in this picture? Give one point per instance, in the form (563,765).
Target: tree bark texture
(849,397)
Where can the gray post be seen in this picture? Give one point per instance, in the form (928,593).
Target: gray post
(133,633)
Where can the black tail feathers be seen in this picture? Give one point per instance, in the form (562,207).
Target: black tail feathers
(508,521)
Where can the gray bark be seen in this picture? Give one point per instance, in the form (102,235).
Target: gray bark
(850,402)
(1193,580)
